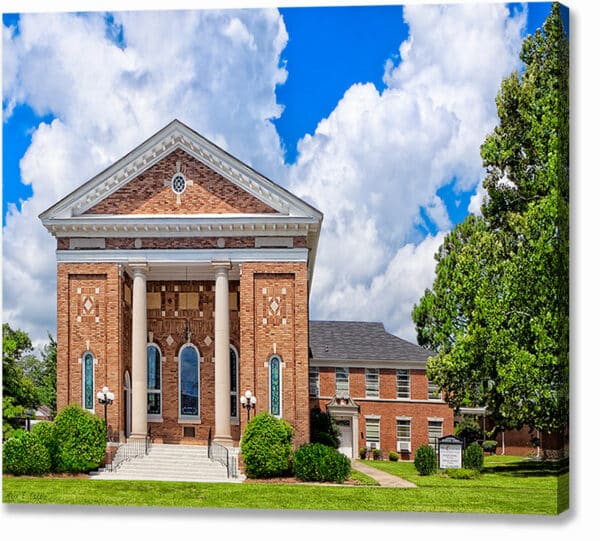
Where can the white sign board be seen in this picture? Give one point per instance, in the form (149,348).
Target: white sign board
(450,456)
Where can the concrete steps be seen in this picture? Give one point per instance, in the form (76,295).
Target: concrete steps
(165,462)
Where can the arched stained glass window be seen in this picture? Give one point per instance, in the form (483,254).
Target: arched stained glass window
(233,385)
(189,381)
(88,381)
(275,385)
(154,382)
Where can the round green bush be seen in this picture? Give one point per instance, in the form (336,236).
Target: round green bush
(473,457)
(44,430)
(318,462)
(266,447)
(80,438)
(393,456)
(489,446)
(425,460)
(25,454)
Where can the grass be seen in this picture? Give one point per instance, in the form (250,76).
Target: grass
(508,485)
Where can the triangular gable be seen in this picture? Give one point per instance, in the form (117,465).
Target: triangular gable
(180,184)
(174,137)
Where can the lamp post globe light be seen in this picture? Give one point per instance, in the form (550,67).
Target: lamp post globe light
(105,397)
(248,401)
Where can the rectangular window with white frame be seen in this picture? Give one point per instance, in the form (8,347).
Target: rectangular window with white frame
(372,432)
(433,391)
(342,381)
(402,384)
(313,381)
(403,435)
(372,382)
(434,432)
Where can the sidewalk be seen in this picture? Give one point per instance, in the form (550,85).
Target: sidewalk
(384,479)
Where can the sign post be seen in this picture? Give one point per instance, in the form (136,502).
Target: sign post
(450,452)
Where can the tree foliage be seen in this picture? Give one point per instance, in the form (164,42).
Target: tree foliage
(497,313)
(27,381)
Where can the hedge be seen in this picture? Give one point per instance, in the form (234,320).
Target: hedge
(318,462)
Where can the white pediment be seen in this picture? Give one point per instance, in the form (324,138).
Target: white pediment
(177,135)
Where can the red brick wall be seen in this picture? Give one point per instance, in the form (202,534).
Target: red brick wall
(201,324)
(283,332)
(210,193)
(387,407)
(88,320)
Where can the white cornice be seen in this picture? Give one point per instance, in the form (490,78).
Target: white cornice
(181,225)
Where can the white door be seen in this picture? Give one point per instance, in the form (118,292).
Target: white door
(345,437)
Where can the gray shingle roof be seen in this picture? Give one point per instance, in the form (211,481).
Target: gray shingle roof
(359,340)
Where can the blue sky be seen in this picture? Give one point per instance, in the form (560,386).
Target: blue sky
(374,114)
(329,49)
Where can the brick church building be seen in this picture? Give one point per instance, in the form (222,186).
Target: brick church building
(183,280)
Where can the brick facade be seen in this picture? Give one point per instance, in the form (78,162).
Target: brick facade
(151,193)
(280,329)
(133,230)
(387,407)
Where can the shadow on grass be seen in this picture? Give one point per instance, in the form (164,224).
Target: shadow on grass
(531,468)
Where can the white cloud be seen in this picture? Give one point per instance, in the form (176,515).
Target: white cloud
(372,166)
(375,164)
(214,70)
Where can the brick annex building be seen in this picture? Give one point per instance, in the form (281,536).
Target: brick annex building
(183,280)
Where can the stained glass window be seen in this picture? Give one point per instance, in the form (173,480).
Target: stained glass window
(233,385)
(154,380)
(189,382)
(88,381)
(275,383)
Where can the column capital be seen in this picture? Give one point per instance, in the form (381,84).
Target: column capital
(221,264)
(138,267)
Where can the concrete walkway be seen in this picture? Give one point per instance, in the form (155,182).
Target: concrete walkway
(384,479)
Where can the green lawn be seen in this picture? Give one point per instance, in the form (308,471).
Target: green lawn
(507,486)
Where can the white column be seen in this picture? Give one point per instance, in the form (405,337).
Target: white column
(139,334)
(222,368)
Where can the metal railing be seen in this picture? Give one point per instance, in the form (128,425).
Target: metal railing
(220,453)
(128,451)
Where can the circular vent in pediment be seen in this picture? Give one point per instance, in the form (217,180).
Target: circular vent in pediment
(178,183)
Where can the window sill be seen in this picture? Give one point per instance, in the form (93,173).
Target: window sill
(189,420)
(155,419)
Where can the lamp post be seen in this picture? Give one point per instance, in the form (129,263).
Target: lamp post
(248,401)
(105,397)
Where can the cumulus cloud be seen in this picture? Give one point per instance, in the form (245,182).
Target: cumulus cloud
(112,82)
(374,166)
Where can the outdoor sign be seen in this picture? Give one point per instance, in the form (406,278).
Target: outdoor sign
(450,452)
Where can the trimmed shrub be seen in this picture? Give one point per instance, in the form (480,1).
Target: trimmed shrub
(376,454)
(25,454)
(489,446)
(266,447)
(425,460)
(362,452)
(473,457)
(80,438)
(44,430)
(318,462)
(393,456)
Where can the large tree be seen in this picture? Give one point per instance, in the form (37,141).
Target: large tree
(497,313)
(18,391)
